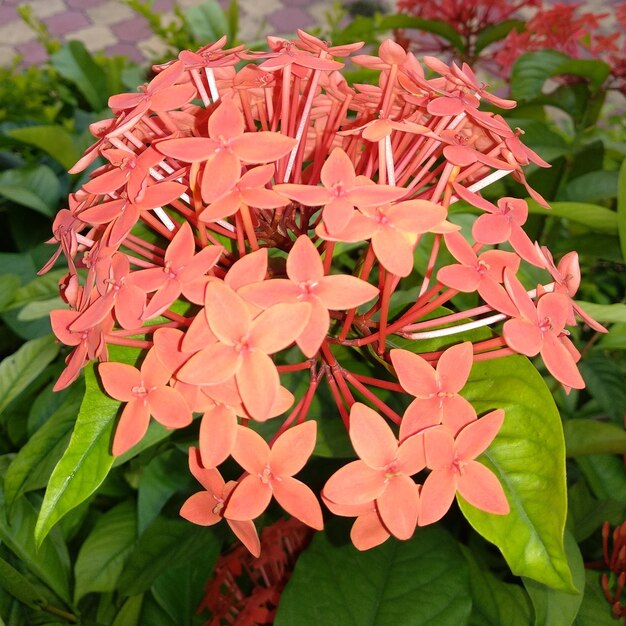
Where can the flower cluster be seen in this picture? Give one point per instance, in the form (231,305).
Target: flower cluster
(562,27)
(252,226)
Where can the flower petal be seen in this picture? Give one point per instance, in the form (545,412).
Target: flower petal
(454,365)
(293,448)
(246,532)
(227,313)
(304,262)
(210,366)
(248,500)
(476,437)
(218,432)
(262,147)
(560,362)
(298,500)
(414,373)
(371,436)
(368,531)
(198,509)
(250,450)
(355,483)
(340,291)
(277,327)
(258,381)
(119,379)
(436,496)
(132,426)
(168,407)
(482,489)
(398,506)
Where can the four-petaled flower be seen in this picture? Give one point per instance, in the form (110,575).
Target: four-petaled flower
(453,469)
(270,473)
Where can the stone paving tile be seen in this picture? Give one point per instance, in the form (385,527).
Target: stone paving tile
(45,8)
(95,38)
(14,33)
(109,13)
(67,22)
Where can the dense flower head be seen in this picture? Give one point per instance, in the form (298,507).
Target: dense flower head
(249,228)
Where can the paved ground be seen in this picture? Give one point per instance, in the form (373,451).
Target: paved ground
(112,27)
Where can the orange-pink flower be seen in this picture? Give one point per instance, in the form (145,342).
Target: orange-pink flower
(146,393)
(270,473)
(454,469)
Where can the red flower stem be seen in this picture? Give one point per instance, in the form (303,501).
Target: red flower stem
(141,262)
(122,332)
(373,398)
(130,343)
(156,225)
(366,268)
(382,163)
(343,387)
(329,248)
(241,241)
(285,102)
(145,244)
(295,367)
(167,121)
(494,354)
(180,319)
(308,399)
(220,230)
(384,311)
(389,87)
(244,210)
(337,397)
(244,98)
(377,382)
(430,267)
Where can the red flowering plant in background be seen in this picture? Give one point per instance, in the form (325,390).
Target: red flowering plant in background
(266,233)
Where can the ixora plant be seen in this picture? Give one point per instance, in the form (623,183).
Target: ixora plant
(274,252)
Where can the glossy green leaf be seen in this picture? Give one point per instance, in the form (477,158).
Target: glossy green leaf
(621,208)
(20,369)
(130,613)
(592,187)
(528,457)
(605,383)
(605,475)
(54,140)
(594,610)
(605,313)
(86,461)
(165,543)
(496,32)
(554,607)
(586,436)
(594,70)
(594,216)
(495,602)
(76,64)
(41,288)
(15,583)
(531,70)
(207,21)
(587,514)
(34,187)
(9,284)
(615,339)
(421,582)
(102,556)
(163,477)
(179,590)
(34,463)
(50,561)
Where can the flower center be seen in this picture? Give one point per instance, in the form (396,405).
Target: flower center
(545,325)
(266,475)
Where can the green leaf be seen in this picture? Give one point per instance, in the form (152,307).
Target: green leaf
(587,514)
(54,140)
(593,216)
(102,556)
(496,32)
(35,187)
(50,561)
(528,457)
(585,436)
(74,63)
(130,612)
(33,464)
(420,582)
(19,586)
(179,590)
(20,369)
(86,461)
(531,70)
(9,284)
(207,21)
(606,313)
(594,70)
(554,607)
(436,27)
(495,602)
(621,208)
(605,475)
(232,17)
(162,478)
(41,288)
(605,383)
(164,544)
(591,187)
(594,610)
(615,339)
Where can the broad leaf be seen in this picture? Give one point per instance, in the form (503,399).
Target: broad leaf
(594,610)
(88,458)
(166,543)
(594,216)
(496,32)
(34,463)
(420,582)
(54,140)
(531,70)
(74,63)
(163,477)
(9,284)
(130,613)
(50,561)
(606,313)
(35,187)
(621,208)
(528,457)
(586,436)
(207,21)
(591,187)
(586,514)
(19,586)
(495,602)
(20,369)
(102,555)
(605,383)
(554,607)
(605,476)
